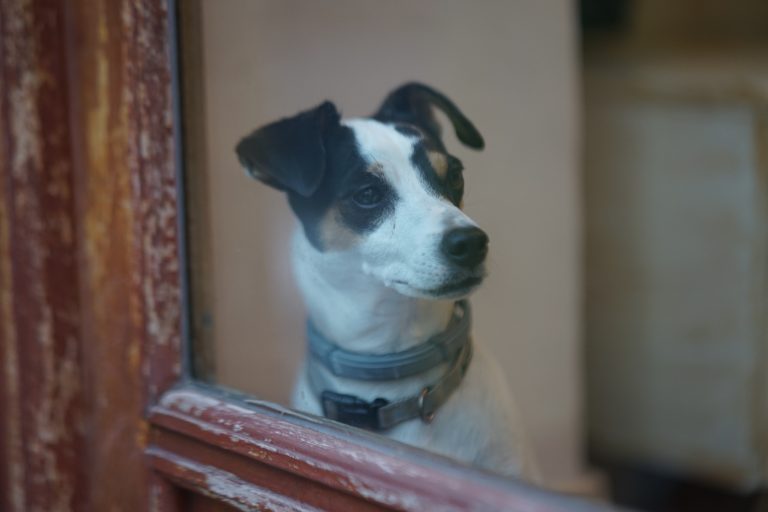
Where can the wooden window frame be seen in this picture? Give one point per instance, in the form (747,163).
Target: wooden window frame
(92,304)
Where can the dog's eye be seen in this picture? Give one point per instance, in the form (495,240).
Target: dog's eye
(368,196)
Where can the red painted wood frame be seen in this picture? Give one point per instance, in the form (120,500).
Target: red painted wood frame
(97,413)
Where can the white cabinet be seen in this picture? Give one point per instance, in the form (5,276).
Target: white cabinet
(676,180)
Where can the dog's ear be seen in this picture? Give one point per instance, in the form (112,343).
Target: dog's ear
(290,154)
(412,103)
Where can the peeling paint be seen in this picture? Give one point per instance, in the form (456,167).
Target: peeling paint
(401,499)
(374,474)
(12,441)
(111,263)
(40,313)
(228,487)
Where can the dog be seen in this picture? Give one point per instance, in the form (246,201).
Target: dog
(385,257)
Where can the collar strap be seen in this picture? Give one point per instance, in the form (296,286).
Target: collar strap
(382,414)
(439,349)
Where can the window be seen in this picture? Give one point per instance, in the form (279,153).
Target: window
(96,388)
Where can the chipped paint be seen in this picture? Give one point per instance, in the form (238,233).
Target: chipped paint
(397,498)
(130,246)
(223,485)
(104,275)
(12,478)
(42,376)
(232,489)
(11,443)
(291,445)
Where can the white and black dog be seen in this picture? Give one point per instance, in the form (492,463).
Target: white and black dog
(383,257)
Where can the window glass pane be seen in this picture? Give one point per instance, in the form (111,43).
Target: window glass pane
(248,63)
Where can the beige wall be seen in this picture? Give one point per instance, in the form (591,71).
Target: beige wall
(511,67)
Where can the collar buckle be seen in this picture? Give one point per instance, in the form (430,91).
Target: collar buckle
(352,410)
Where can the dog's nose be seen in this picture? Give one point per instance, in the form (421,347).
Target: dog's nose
(466,247)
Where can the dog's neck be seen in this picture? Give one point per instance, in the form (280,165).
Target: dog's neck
(358,312)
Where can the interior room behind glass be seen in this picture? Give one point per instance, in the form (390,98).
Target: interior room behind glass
(623,186)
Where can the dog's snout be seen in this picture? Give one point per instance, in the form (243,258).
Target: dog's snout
(466,247)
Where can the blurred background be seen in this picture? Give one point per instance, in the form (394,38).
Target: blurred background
(623,187)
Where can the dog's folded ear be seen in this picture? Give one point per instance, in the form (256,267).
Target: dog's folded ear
(289,154)
(412,103)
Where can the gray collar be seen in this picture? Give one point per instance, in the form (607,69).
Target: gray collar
(451,346)
(441,348)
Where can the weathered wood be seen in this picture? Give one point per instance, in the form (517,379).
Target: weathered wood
(374,469)
(130,264)
(90,300)
(194,502)
(241,486)
(43,437)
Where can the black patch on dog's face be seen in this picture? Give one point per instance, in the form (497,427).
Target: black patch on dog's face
(449,182)
(408,130)
(453,183)
(347,183)
(365,216)
(427,172)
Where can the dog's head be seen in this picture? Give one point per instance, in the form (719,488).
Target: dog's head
(383,189)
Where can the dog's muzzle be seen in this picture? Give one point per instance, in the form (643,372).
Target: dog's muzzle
(452,346)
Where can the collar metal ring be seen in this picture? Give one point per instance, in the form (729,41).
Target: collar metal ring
(426,416)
